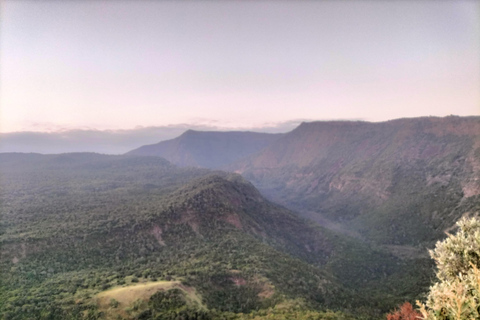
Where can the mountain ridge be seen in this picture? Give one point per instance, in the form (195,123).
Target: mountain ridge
(209,149)
(345,171)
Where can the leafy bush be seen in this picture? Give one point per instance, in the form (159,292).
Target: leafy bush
(457,293)
(114,303)
(406,312)
(167,300)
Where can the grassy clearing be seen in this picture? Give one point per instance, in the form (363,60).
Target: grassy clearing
(118,301)
(127,295)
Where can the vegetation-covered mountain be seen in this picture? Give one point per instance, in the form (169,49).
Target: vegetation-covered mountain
(208,149)
(86,236)
(400,182)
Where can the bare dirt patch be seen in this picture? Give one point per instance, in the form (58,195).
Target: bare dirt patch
(407,252)
(157,233)
(266,289)
(234,220)
(239,281)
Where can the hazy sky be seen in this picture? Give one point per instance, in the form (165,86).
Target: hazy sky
(122,64)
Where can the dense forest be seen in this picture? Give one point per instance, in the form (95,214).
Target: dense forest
(89,236)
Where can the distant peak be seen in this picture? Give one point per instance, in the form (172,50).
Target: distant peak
(189,132)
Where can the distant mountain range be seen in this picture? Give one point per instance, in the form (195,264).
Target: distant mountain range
(108,141)
(400,182)
(208,149)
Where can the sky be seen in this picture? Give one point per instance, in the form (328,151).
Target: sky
(111,65)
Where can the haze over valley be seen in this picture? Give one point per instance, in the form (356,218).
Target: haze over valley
(239,160)
(366,202)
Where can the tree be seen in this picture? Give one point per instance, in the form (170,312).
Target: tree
(456,295)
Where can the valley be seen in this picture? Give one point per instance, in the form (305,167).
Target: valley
(332,220)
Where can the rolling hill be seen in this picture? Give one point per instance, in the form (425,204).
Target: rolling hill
(75,226)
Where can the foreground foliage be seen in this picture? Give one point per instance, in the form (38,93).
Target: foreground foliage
(405,312)
(456,295)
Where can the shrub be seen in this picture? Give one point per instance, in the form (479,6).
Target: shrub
(456,296)
(114,303)
(406,312)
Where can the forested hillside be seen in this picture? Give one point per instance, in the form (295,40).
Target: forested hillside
(88,236)
(400,182)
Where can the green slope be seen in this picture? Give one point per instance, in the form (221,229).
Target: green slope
(75,225)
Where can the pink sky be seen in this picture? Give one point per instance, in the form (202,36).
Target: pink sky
(118,65)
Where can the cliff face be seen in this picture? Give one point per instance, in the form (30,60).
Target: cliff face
(376,175)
